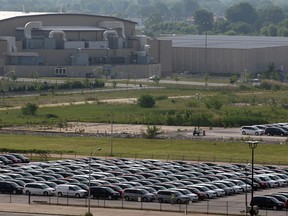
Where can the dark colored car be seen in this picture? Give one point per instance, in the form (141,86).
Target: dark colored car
(271,131)
(12,158)
(256,186)
(267,202)
(104,193)
(281,198)
(5,160)
(10,187)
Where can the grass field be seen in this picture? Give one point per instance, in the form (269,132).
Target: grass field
(145,148)
(231,106)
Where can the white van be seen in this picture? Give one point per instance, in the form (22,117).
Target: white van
(38,189)
(70,190)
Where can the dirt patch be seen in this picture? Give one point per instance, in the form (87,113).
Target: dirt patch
(103,130)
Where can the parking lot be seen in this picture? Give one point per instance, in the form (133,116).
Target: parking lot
(150,177)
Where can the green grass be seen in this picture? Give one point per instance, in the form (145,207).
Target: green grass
(227,151)
(239,108)
(239,105)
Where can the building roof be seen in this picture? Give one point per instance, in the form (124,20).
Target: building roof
(229,42)
(68,28)
(13,14)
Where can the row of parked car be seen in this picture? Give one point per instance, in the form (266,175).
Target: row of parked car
(277,129)
(145,180)
(12,158)
(276,201)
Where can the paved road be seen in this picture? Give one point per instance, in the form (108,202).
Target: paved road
(231,205)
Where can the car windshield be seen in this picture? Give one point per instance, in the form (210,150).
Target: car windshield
(44,186)
(151,190)
(204,188)
(195,190)
(275,177)
(221,185)
(76,187)
(110,190)
(186,192)
(213,187)
(265,178)
(144,191)
(177,193)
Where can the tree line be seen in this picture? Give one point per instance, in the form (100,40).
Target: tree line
(239,19)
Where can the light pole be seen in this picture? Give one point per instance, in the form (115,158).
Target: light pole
(89,180)
(246,168)
(198,97)
(252,146)
(107,56)
(111,138)
(205,57)
(134,61)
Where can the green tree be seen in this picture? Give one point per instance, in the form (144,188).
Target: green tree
(221,26)
(190,6)
(146,101)
(152,23)
(242,12)
(14,77)
(241,28)
(86,83)
(230,33)
(217,6)
(283,32)
(203,20)
(284,23)
(162,9)
(177,10)
(147,11)
(272,30)
(29,109)
(233,79)
(271,14)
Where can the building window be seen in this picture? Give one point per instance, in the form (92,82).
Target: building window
(60,71)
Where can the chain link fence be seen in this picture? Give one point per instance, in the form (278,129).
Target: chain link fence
(215,206)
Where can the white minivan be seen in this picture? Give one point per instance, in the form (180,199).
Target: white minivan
(70,190)
(251,130)
(38,189)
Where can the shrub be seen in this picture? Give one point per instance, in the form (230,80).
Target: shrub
(146,101)
(214,103)
(151,132)
(30,109)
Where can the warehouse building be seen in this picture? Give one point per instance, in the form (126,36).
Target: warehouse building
(73,45)
(227,54)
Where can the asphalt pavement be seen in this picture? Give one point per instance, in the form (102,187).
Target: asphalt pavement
(18,209)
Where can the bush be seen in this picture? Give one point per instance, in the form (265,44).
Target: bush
(30,109)
(146,101)
(151,132)
(214,103)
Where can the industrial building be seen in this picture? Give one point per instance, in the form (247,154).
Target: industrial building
(73,45)
(227,54)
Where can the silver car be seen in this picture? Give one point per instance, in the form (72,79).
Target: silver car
(172,196)
(137,194)
(251,130)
